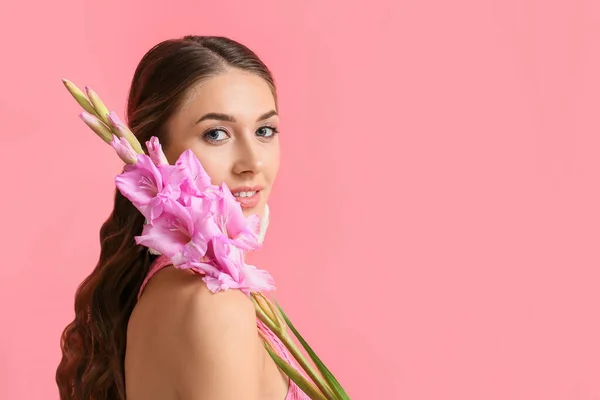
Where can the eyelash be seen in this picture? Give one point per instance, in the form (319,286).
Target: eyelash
(205,135)
(271,127)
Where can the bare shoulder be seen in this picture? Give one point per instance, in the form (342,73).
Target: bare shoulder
(208,341)
(201,307)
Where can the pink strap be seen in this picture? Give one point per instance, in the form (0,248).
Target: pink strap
(157,265)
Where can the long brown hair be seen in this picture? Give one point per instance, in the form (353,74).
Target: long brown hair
(93,345)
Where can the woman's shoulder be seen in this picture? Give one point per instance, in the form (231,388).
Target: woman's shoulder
(203,338)
(181,299)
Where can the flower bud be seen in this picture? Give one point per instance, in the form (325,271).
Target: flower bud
(101,110)
(156,152)
(79,96)
(122,131)
(124,150)
(97,126)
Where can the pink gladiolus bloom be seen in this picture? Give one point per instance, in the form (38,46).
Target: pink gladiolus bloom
(124,150)
(197,182)
(182,233)
(151,190)
(167,235)
(155,151)
(194,223)
(234,273)
(196,172)
(242,230)
(190,191)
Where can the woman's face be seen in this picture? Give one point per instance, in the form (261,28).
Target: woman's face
(230,122)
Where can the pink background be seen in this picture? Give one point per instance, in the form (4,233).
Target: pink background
(436,222)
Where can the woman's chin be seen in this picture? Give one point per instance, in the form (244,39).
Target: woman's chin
(257,210)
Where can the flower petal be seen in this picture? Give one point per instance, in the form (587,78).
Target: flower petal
(163,239)
(249,238)
(229,259)
(196,172)
(140,184)
(257,280)
(207,269)
(232,209)
(219,283)
(191,252)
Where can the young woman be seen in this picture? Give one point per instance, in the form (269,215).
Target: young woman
(144,330)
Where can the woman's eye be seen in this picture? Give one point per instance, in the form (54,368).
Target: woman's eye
(216,135)
(266,131)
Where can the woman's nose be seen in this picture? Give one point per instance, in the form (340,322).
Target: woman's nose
(248,157)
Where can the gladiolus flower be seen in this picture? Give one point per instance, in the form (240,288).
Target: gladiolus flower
(151,190)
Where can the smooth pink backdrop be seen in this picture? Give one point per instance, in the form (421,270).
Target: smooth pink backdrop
(436,222)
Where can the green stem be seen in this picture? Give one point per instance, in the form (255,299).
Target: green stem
(289,344)
(307,387)
(306,365)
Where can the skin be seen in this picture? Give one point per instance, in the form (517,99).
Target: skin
(185,342)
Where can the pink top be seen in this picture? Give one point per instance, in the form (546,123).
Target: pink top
(294,392)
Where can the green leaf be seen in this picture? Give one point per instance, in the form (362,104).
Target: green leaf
(306,386)
(333,382)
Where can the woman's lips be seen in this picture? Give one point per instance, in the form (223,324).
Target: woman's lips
(248,197)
